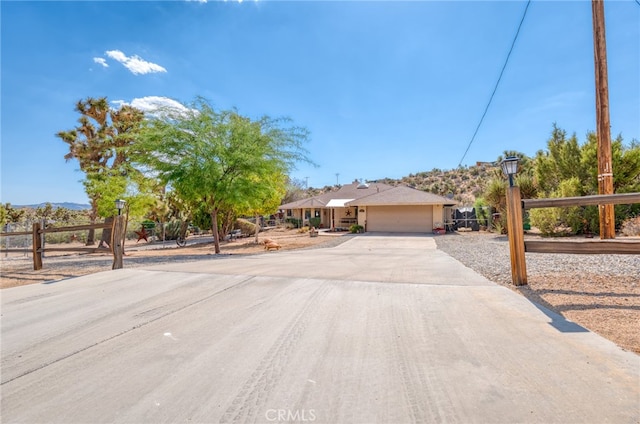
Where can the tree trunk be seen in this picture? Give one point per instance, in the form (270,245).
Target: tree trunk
(91,237)
(214,229)
(257,227)
(93,214)
(106,234)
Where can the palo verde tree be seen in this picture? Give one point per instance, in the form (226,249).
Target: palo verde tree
(217,159)
(266,196)
(100,143)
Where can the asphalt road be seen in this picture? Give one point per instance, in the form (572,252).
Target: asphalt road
(380,329)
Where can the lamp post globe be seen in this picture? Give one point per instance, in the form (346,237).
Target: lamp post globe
(510,168)
(120,205)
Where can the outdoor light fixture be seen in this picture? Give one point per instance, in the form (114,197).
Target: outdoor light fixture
(120,205)
(510,168)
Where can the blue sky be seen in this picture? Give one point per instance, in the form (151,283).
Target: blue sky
(385,88)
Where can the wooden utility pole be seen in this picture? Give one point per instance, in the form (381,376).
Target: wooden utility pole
(603,124)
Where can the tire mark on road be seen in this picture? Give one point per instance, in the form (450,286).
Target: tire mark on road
(135,327)
(419,385)
(251,398)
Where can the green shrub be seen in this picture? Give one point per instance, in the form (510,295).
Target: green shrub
(355,228)
(500,226)
(246,227)
(545,219)
(297,223)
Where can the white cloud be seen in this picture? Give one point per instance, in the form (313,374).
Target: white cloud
(135,64)
(154,105)
(101,61)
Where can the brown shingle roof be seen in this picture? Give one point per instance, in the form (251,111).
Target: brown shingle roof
(347,191)
(401,195)
(311,202)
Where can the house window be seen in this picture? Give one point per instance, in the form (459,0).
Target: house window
(289,212)
(317,214)
(307,214)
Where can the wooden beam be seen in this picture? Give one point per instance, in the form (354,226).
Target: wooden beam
(17,233)
(516,236)
(37,247)
(612,199)
(75,249)
(76,228)
(594,247)
(16,250)
(117,238)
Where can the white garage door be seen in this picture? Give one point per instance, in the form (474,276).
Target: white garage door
(400,219)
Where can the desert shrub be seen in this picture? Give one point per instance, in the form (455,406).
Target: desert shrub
(246,227)
(571,216)
(295,222)
(631,227)
(545,219)
(171,230)
(500,225)
(57,238)
(304,229)
(315,222)
(482,211)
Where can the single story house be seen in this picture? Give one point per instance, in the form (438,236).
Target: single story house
(374,206)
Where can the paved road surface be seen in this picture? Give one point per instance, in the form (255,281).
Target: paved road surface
(379,329)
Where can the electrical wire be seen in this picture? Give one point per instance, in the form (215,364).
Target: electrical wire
(497,83)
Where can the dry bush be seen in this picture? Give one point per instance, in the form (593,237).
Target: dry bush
(631,227)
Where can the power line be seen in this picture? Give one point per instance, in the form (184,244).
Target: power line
(497,82)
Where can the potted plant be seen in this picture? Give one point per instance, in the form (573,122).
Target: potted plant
(438,228)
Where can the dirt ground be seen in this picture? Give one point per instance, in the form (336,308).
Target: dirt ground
(609,306)
(17,268)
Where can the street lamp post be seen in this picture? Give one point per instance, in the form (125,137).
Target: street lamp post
(120,205)
(514,223)
(510,168)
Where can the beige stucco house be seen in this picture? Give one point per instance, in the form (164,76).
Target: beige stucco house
(375,206)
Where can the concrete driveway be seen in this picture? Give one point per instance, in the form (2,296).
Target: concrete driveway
(380,329)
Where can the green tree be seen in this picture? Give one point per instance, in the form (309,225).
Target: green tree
(568,167)
(213,159)
(11,214)
(101,143)
(562,161)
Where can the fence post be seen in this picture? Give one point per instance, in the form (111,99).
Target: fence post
(37,247)
(516,236)
(117,237)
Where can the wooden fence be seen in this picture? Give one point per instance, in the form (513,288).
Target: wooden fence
(518,246)
(37,234)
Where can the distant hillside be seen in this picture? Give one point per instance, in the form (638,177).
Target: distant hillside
(67,205)
(464,184)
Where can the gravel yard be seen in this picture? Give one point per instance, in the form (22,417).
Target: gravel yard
(599,292)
